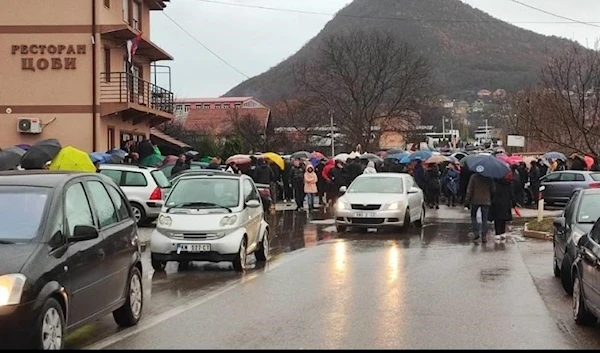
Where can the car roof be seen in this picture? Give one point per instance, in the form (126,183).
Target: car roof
(132,167)
(41,178)
(385,175)
(193,175)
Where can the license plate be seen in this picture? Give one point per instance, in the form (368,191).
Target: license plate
(193,247)
(364,215)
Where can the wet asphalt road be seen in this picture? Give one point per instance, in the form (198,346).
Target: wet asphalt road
(429,288)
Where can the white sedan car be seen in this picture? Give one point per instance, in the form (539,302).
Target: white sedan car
(380,200)
(213,217)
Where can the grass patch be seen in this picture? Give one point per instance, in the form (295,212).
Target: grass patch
(546,225)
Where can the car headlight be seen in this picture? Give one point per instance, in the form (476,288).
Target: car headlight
(11,289)
(391,206)
(342,205)
(576,236)
(228,221)
(165,220)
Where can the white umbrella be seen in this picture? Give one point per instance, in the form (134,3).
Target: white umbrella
(342,157)
(354,155)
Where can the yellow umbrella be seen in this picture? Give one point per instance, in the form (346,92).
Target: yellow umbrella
(275,158)
(73,160)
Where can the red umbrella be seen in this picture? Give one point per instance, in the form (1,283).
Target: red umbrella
(317,155)
(589,161)
(504,158)
(515,159)
(170,159)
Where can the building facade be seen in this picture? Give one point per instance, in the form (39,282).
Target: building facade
(66,72)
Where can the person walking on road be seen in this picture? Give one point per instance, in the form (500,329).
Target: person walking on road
(479,197)
(503,200)
(432,186)
(297,178)
(451,181)
(329,193)
(310,186)
(534,180)
(338,178)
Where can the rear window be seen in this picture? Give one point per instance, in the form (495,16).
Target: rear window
(135,179)
(21,212)
(161,179)
(595,176)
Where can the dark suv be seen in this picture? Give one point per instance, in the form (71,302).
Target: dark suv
(69,254)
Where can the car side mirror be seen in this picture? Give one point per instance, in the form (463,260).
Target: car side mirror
(253,203)
(583,240)
(82,233)
(414,190)
(559,222)
(343,190)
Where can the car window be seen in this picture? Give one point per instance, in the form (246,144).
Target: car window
(595,233)
(119,202)
(579,177)
(570,207)
(113,174)
(377,185)
(135,179)
(77,208)
(551,177)
(589,209)
(567,177)
(103,205)
(22,212)
(223,192)
(250,192)
(595,176)
(161,179)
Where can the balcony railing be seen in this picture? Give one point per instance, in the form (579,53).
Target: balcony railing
(123,87)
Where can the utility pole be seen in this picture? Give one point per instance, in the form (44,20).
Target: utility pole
(452,132)
(332,137)
(486,131)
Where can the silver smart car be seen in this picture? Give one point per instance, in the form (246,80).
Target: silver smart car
(212,217)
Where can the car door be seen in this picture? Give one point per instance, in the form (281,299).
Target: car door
(254,215)
(86,264)
(551,183)
(414,200)
(590,257)
(565,186)
(564,233)
(117,235)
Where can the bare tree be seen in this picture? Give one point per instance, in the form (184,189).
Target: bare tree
(563,110)
(248,128)
(371,80)
(298,121)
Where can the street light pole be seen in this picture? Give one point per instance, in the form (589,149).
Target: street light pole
(332,137)
(452,132)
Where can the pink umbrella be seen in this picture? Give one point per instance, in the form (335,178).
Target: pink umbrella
(239,159)
(589,161)
(515,159)
(170,159)
(504,158)
(317,155)
(382,154)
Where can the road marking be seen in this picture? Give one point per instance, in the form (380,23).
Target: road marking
(146,324)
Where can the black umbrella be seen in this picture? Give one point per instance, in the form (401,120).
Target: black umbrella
(301,155)
(10,158)
(40,153)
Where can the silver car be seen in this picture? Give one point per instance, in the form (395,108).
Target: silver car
(216,217)
(145,187)
(559,186)
(380,200)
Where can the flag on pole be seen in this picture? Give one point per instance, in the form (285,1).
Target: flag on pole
(132,46)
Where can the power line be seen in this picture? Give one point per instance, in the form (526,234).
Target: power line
(593,24)
(205,47)
(401,19)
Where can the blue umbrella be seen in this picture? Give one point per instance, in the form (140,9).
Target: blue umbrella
(398,156)
(418,155)
(488,166)
(314,161)
(118,152)
(555,155)
(99,157)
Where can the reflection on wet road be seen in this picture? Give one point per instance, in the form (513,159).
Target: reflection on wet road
(427,288)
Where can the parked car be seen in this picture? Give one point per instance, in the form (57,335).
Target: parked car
(168,168)
(215,217)
(559,186)
(582,210)
(585,274)
(70,255)
(144,186)
(380,200)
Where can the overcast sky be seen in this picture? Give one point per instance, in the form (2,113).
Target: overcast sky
(253,40)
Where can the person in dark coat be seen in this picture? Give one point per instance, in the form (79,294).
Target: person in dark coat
(179,165)
(297,178)
(286,181)
(353,170)
(338,177)
(596,166)
(503,200)
(534,179)
(432,188)
(263,173)
(419,175)
(578,164)
(451,182)
(465,176)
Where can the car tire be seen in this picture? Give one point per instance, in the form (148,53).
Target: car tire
(340,229)
(406,223)
(419,223)
(131,312)
(138,213)
(581,314)
(50,326)
(239,262)
(555,266)
(157,265)
(565,275)
(262,253)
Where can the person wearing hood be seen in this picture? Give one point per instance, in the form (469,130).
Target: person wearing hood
(370,169)
(179,165)
(310,186)
(328,182)
(263,173)
(503,200)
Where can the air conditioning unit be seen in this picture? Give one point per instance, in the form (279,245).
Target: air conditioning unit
(29,126)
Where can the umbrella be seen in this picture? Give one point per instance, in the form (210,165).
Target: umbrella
(317,155)
(437,159)
(555,155)
(170,159)
(239,159)
(23,146)
(342,157)
(422,155)
(515,159)
(395,151)
(73,160)
(314,161)
(10,158)
(301,155)
(275,158)
(119,153)
(503,157)
(488,166)
(40,153)
(99,157)
(528,161)
(453,159)
(589,161)
(398,156)
(152,160)
(382,154)
(354,155)
(371,157)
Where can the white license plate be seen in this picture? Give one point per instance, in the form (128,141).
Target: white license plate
(364,215)
(193,247)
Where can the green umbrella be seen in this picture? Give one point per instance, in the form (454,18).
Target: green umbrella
(157,151)
(206,159)
(152,160)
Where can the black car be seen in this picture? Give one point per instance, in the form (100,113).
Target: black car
(69,254)
(586,278)
(582,210)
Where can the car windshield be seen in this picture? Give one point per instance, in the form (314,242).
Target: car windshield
(222,192)
(21,212)
(589,209)
(161,179)
(377,185)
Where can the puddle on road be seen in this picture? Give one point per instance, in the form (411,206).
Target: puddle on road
(493,274)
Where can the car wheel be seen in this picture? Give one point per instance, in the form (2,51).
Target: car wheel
(580,313)
(138,214)
(340,229)
(565,275)
(50,326)
(406,223)
(239,263)
(157,265)
(131,312)
(419,223)
(555,265)
(262,254)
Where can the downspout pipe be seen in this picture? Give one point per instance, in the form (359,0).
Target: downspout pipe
(94,79)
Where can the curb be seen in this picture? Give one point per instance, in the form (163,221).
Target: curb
(535,234)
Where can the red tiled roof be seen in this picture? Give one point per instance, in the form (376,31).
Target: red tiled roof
(213,100)
(217,120)
(161,135)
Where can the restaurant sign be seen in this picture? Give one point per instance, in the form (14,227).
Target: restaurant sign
(31,61)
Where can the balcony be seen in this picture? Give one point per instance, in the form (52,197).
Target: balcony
(124,32)
(136,99)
